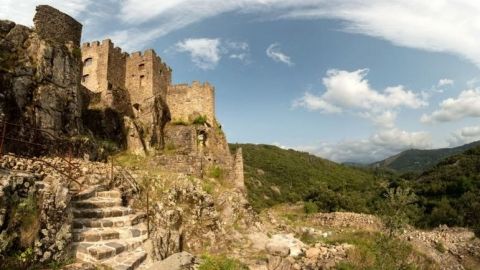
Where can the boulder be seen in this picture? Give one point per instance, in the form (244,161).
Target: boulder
(284,245)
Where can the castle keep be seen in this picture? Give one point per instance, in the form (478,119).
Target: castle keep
(156,114)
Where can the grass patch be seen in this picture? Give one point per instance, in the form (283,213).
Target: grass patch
(440,247)
(216,172)
(374,250)
(200,120)
(179,122)
(310,207)
(129,160)
(208,187)
(220,262)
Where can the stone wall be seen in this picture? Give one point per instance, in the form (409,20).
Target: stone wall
(53,25)
(95,62)
(146,77)
(238,170)
(189,101)
(206,143)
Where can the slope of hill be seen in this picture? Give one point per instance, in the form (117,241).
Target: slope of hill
(449,193)
(415,160)
(274,175)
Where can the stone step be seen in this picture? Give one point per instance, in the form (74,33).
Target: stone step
(102,212)
(116,222)
(109,194)
(88,193)
(127,260)
(97,202)
(102,234)
(99,251)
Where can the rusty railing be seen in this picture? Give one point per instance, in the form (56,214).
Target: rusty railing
(55,142)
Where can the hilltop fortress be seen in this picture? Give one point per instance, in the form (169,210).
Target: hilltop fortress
(96,90)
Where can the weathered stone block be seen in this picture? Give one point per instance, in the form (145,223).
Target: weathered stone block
(51,24)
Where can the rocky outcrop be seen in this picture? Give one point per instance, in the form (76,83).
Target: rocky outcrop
(39,80)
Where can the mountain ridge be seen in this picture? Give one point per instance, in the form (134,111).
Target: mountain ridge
(418,160)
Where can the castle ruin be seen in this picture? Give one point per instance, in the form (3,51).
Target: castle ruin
(157,114)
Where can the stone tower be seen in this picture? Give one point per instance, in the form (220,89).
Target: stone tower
(189,101)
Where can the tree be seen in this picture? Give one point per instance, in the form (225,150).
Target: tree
(398,208)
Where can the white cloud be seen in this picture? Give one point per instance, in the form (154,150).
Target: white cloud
(445,82)
(465,135)
(313,103)
(22,12)
(379,146)
(450,26)
(350,91)
(442,26)
(273,51)
(467,104)
(206,53)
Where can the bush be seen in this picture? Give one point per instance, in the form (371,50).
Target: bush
(440,247)
(310,207)
(200,120)
(220,262)
(216,172)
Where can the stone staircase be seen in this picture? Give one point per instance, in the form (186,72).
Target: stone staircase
(107,233)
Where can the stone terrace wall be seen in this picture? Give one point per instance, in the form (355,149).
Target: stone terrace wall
(188,101)
(51,24)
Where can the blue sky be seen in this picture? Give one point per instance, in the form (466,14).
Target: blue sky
(347,80)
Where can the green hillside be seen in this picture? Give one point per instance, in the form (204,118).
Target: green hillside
(274,175)
(450,192)
(415,160)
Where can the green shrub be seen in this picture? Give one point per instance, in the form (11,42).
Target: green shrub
(440,247)
(310,207)
(378,251)
(200,120)
(77,52)
(216,172)
(208,187)
(220,262)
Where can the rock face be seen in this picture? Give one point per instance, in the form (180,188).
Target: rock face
(40,71)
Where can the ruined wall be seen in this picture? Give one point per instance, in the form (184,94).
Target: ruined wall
(189,101)
(238,170)
(51,24)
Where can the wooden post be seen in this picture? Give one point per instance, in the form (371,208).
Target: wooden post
(111,171)
(148,214)
(4,132)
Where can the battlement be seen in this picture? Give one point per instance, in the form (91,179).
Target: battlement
(189,101)
(52,24)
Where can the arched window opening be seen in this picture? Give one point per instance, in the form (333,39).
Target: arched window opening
(87,62)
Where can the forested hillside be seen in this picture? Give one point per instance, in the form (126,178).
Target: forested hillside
(274,175)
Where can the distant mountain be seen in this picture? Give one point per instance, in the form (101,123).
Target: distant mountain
(274,175)
(415,160)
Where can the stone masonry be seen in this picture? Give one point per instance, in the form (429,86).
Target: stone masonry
(189,101)
(107,69)
(51,24)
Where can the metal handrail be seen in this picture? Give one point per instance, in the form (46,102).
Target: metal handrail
(71,166)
